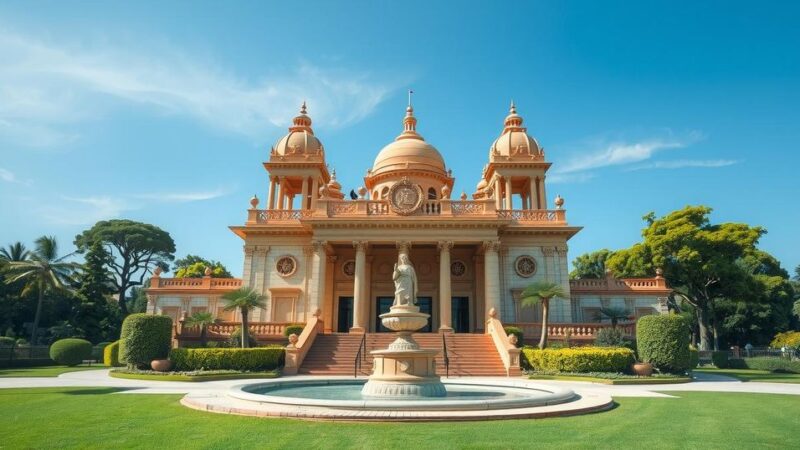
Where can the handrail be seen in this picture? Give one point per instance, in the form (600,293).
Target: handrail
(359,355)
(298,346)
(509,353)
(446,358)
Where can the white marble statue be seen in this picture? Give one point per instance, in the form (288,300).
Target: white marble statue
(405,282)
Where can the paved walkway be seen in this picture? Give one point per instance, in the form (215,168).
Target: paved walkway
(100,378)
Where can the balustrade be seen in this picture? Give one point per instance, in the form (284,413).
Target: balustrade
(573,331)
(225,329)
(270,215)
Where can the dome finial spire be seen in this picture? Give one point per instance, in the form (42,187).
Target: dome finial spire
(410,93)
(409,122)
(303,108)
(513,108)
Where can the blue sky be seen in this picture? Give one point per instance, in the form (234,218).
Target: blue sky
(163,111)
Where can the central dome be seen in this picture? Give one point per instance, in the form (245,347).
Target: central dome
(409,151)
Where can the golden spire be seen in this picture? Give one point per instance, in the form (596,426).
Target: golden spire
(409,122)
(302,122)
(513,121)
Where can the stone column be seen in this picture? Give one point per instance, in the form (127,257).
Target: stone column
(498,193)
(534,182)
(542,194)
(360,305)
(491,271)
(445,292)
(319,265)
(271,196)
(281,192)
(509,205)
(304,194)
(314,192)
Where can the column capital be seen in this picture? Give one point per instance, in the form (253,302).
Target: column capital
(319,246)
(360,246)
(491,246)
(444,246)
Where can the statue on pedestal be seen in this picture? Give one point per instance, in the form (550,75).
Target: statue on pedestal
(405,282)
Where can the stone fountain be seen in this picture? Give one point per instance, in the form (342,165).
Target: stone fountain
(404,370)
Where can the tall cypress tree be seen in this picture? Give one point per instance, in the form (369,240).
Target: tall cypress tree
(94,314)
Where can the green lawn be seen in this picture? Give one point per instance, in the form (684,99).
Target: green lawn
(755,375)
(45,371)
(98,418)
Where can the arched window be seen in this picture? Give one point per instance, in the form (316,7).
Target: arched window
(384,193)
(431,194)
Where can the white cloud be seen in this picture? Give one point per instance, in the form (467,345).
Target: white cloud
(183,197)
(558,178)
(623,153)
(681,163)
(47,87)
(7,176)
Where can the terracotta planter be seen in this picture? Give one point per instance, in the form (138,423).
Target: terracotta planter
(161,365)
(643,369)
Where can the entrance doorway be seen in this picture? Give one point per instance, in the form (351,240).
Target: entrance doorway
(382,305)
(460,314)
(345,314)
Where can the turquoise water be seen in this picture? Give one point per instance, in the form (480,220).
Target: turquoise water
(352,391)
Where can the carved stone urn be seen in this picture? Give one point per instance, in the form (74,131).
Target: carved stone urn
(161,365)
(642,369)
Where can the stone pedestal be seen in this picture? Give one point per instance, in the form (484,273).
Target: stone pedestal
(404,369)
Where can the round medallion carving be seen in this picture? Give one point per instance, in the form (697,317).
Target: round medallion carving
(405,197)
(349,268)
(525,266)
(458,268)
(286,266)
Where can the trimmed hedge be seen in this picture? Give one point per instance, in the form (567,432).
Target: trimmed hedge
(769,363)
(98,350)
(111,355)
(720,359)
(663,341)
(579,359)
(516,332)
(241,359)
(293,329)
(694,357)
(144,338)
(70,352)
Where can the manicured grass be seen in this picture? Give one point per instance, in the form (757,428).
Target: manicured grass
(178,376)
(628,380)
(755,375)
(45,371)
(98,418)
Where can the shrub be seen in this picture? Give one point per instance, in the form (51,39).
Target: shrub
(789,339)
(769,363)
(70,352)
(7,341)
(516,332)
(720,359)
(97,351)
(242,359)
(236,339)
(611,337)
(579,359)
(694,357)
(111,355)
(291,329)
(663,341)
(144,338)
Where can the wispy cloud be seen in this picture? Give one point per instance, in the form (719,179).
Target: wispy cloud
(575,177)
(10,177)
(89,209)
(682,163)
(47,87)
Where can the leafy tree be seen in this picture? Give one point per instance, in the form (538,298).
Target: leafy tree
(93,314)
(201,320)
(244,299)
(14,252)
(699,259)
(136,249)
(590,265)
(796,285)
(194,267)
(43,272)
(137,299)
(542,292)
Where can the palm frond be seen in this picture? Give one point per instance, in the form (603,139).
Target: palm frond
(540,291)
(47,248)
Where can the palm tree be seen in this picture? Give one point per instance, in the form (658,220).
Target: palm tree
(542,292)
(14,252)
(43,271)
(244,299)
(615,314)
(201,320)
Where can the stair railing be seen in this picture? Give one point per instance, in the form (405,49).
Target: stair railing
(445,357)
(362,351)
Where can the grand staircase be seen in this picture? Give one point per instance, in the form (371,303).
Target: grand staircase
(469,354)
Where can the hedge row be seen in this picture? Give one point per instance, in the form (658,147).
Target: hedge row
(242,359)
(111,355)
(772,364)
(579,359)
(144,338)
(663,341)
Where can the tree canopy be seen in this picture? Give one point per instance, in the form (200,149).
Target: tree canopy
(193,266)
(136,249)
(590,265)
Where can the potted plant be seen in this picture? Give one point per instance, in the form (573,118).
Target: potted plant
(642,369)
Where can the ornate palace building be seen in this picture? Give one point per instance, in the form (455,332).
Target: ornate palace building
(316,254)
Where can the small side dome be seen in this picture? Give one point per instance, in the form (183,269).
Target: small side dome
(515,141)
(301,140)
